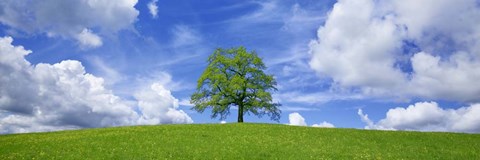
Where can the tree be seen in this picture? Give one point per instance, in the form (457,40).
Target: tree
(235,77)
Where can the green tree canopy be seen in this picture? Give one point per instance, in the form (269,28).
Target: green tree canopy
(235,77)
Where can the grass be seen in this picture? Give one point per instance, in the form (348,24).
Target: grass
(238,141)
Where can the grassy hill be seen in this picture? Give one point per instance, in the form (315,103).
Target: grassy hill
(238,141)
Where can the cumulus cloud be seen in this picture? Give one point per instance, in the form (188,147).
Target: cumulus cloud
(76,19)
(153,8)
(45,97)
(87,39)
(355,49)
(428,116)
(455,78)
(324,125)
(380,46)
(159,106)
(296,119)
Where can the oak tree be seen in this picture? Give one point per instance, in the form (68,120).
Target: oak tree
(235,77)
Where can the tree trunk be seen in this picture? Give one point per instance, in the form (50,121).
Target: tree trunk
(240,113)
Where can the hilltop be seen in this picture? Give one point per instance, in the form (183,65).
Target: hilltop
(238,141)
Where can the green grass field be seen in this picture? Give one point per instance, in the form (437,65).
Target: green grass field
(238,141)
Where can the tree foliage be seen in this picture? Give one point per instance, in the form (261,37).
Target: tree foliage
(235,77)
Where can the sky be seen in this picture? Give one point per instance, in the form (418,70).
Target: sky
(366,64)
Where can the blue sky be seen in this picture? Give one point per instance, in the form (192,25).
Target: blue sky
(127,62)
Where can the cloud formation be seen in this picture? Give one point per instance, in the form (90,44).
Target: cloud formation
(153,8)
(87,39)
(81,20)
(428,116)
(427,49)
(184,36)
(45,97)
(324,125)
(314,98)
(296,119)
(159,106)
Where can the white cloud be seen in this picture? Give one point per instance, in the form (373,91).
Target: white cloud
(365,119)
(356,49)
(18,123)
(223,122)
(185,102)
(185,36)
(428,116)
(314,98)
(46,97)
(324,124)
(299,17)
(455,78)
(159,106)
(362,45)
(69,19)
(263,13)
(153,8)
(87,39)
(108,71)
(163,78)
(296,119)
